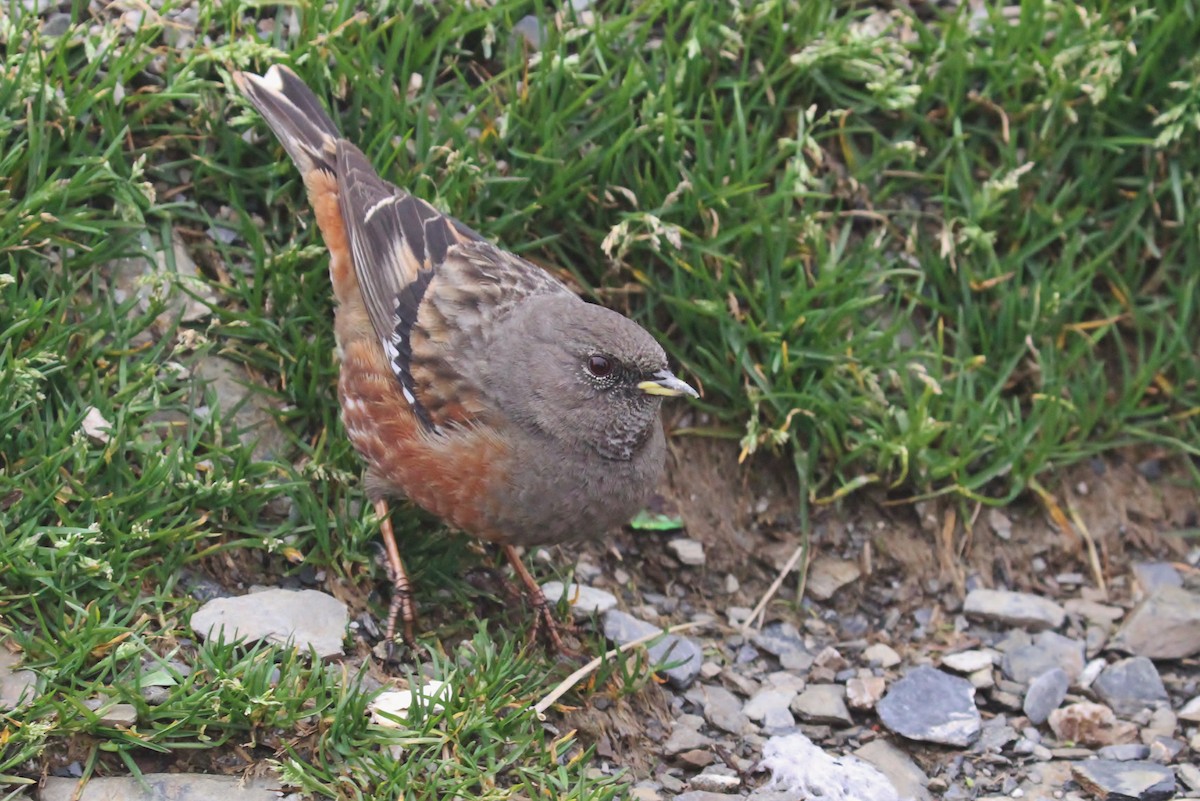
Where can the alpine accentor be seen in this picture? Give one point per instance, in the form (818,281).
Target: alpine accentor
(472,382)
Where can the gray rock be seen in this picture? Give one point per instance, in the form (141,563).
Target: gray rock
(1094,612)
(1048,650)
(863,692)
(904,774)
(584,601)
(1045,694)
(1130,686)
(723,709)
(715,783)
(827,575)
(995,735)
(687,551)
(931,706)
(1031,612)
(307,618)
(1144,781)
(1125,752)
(158,786)
(56,24)
(1191,710)
(112,714)
(881,654)
(684,738)
(682,653)
(1091,671)
(166,276)
(764,701)
(1151,576)
(1189,775)
(1164,626)
(999,523)
(705,795)
(822,703)
(969,661)
(785,642)
(227,386)
(982,679)
(17,685)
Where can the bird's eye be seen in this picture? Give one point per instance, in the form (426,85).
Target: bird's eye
(599,366)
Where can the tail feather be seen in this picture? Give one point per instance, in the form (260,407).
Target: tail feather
(296,116)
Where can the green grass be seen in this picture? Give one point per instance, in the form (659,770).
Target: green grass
(949,257)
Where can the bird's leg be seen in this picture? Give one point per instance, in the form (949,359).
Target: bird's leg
(402,595)
(543,616)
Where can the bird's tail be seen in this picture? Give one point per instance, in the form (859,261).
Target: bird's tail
(295,115)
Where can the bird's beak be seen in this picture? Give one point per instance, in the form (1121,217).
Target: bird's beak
(666,384)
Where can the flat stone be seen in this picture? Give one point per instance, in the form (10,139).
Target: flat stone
(723,709)
(1048,650)
(1045,694)
(982,679)
(306,618)
(687,551)
(698,757)
(999,523)
(17,685)
(822,703)
(784,641)
(1144,781)
(1130,686)
(1031,612)
(801,769)
(764,701)
(685,739)
(881,654)
(827,575)
(1191,710)
(1125,752)
(905,775)
(158,786)
(112,714)
(715,783)
(241,403)
(1086,723)
(584,601)
(1164,626)
(682,653)
(1093,611)
(1189,775)
(931,706)
(170,277)
(705,795)
(1151,576)
(863,692)
(969,661)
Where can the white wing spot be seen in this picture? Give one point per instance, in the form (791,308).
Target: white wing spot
(408,396)
(371,211)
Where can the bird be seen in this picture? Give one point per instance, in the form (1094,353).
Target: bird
(472,382)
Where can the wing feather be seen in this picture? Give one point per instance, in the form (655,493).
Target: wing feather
(431,286)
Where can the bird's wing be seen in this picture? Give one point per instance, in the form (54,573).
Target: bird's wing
(432,288)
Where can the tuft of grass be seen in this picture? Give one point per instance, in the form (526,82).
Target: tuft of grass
(939,254)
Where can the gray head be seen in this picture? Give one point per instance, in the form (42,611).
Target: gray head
(581,374)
